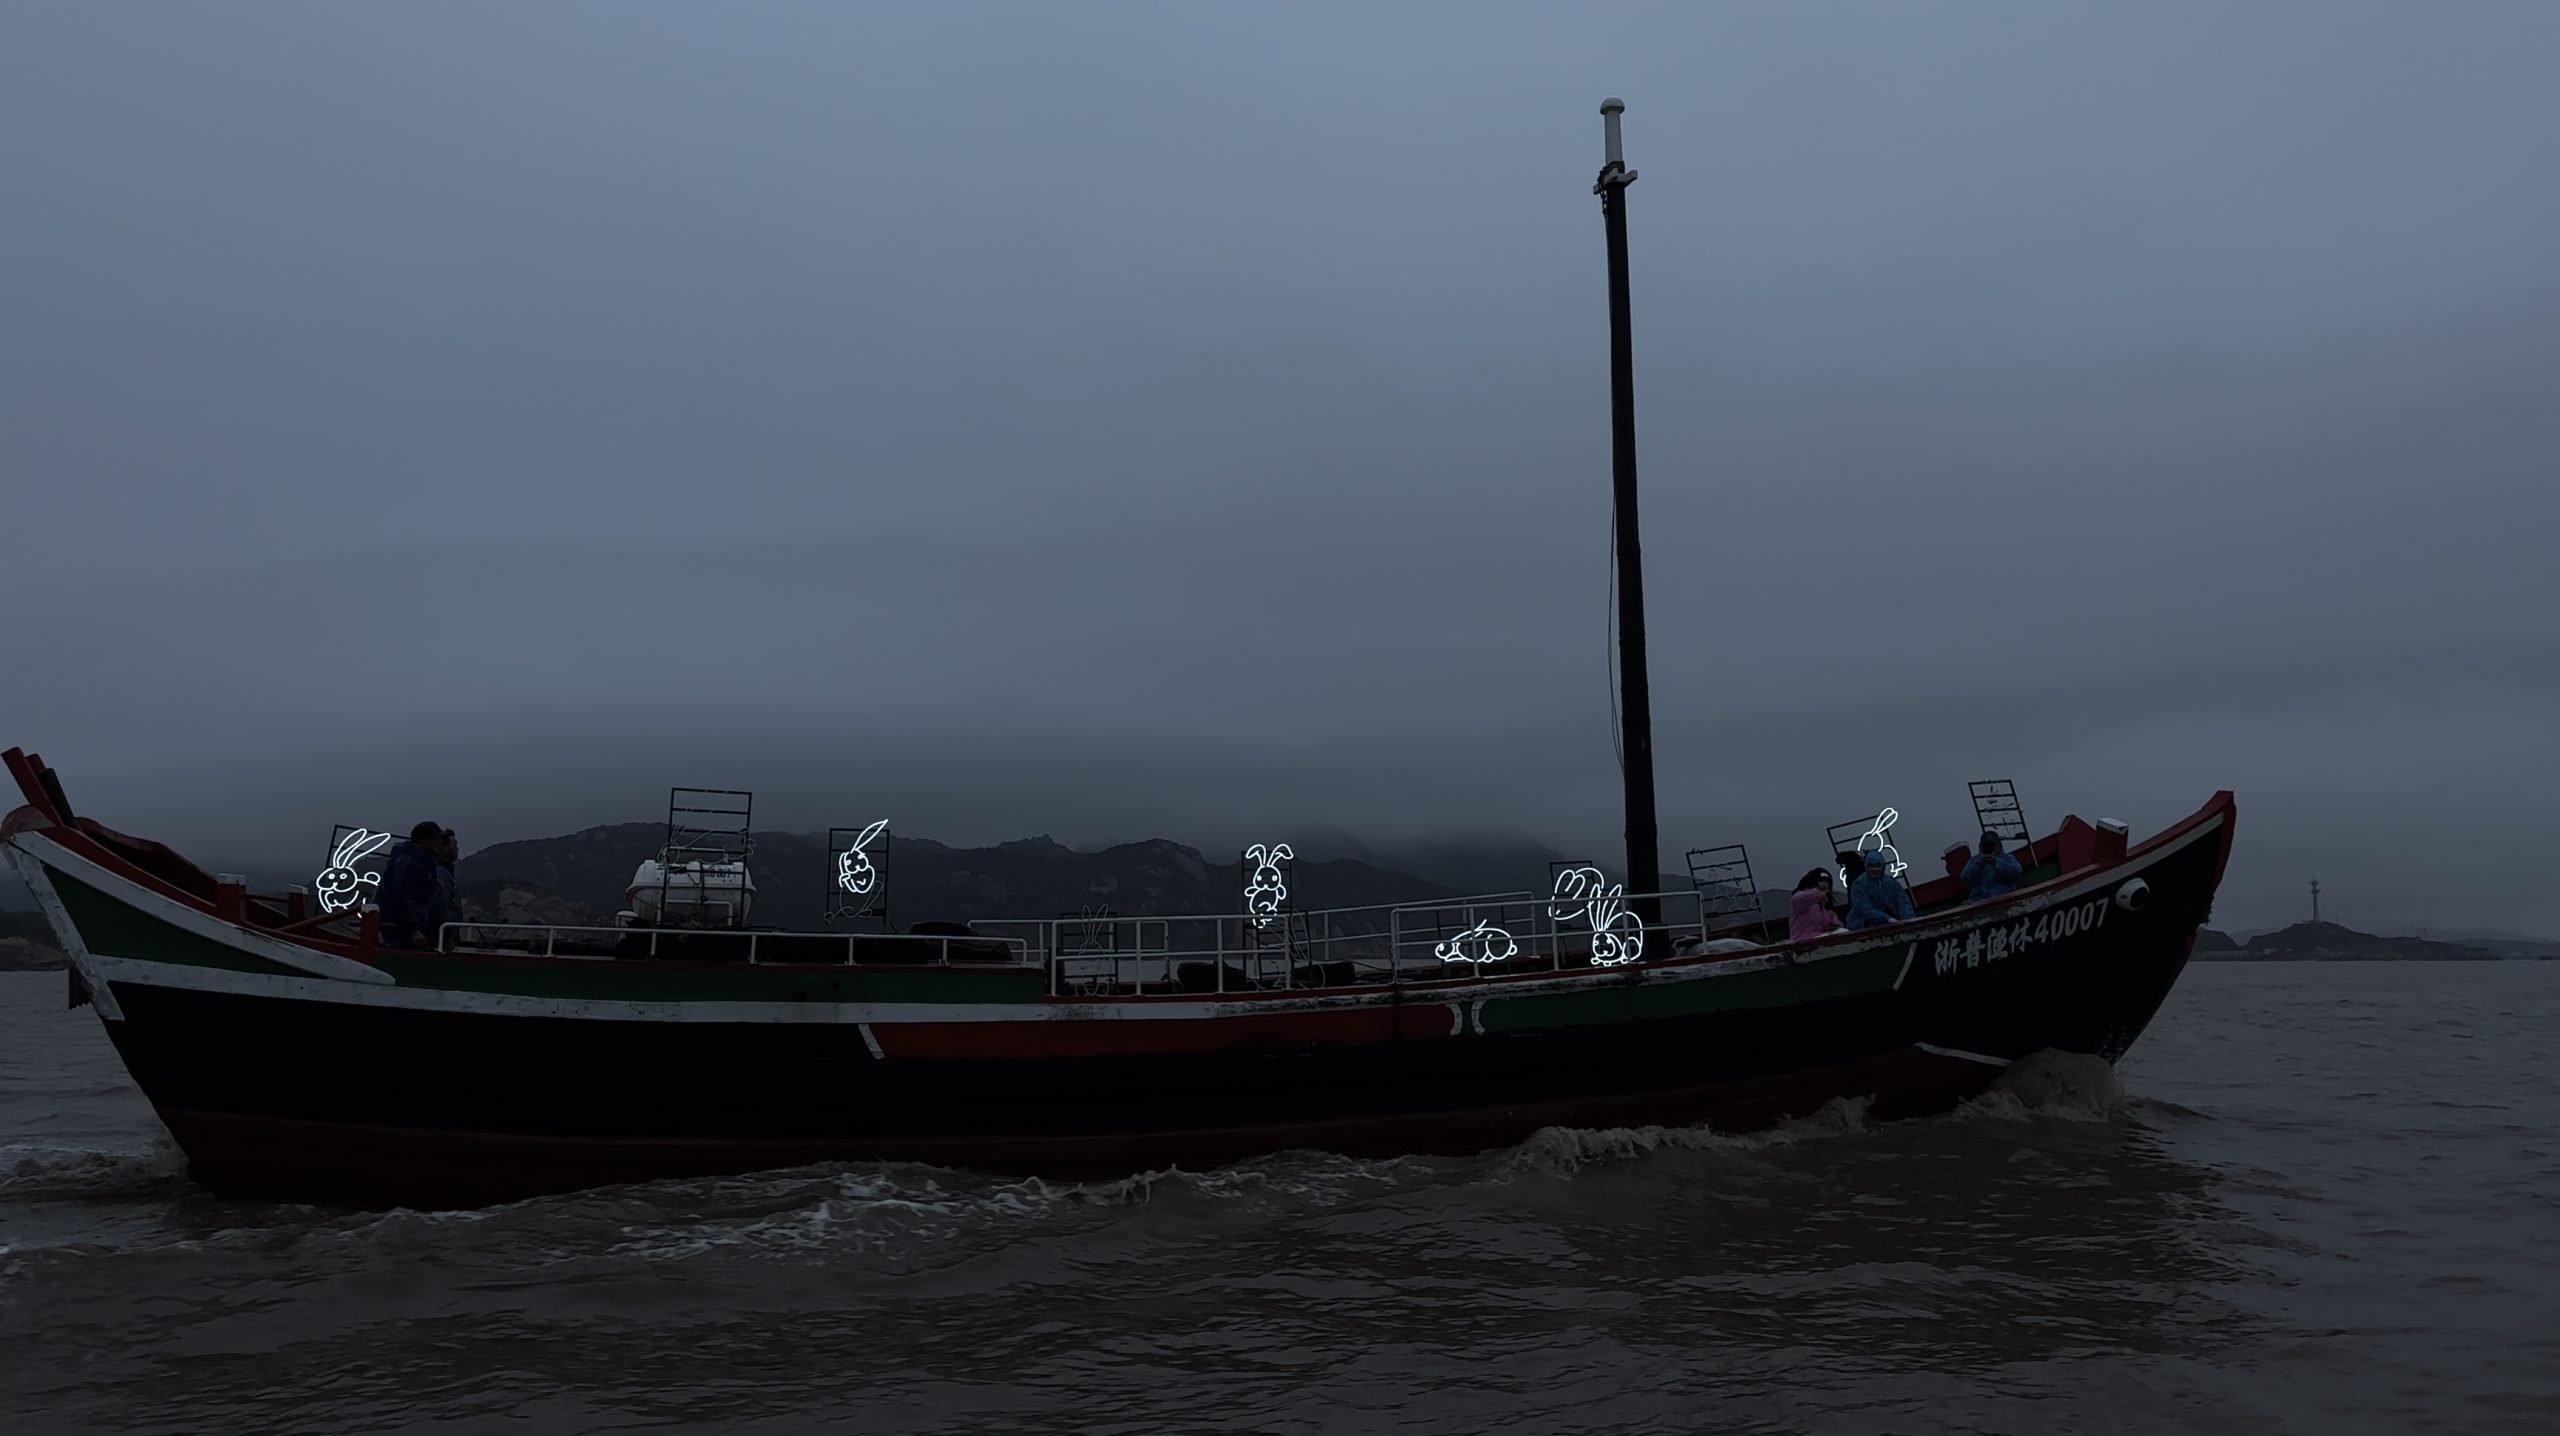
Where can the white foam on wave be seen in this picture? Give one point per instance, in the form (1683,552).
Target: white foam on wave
(2070,1086)
(2064,1086)
(1561,1151)
(877,1208)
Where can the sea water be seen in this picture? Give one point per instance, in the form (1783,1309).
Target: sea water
(2318,1198)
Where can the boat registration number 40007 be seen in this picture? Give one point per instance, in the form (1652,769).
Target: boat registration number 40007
(2009,939)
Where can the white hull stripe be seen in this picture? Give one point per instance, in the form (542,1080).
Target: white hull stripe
(1961,1055)
(240,939)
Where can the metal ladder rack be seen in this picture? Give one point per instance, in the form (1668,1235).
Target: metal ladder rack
(711,824)
(1725,886)
(706,826)
(1996,807)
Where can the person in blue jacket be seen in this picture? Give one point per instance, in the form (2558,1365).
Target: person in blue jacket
(1876,897)
(1992,872)
(409,895)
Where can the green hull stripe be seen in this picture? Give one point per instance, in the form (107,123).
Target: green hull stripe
(112,928)
(1866,973)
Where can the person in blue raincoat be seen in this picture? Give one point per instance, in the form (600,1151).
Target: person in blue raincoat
(1992,872)
(1876,897)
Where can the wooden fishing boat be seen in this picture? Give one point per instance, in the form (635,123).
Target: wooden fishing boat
(292,1053)
(290,1057)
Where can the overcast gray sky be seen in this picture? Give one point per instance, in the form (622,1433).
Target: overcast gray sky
(1113,420)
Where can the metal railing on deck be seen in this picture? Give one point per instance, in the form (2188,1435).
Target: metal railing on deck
(1450,939)
(716,944)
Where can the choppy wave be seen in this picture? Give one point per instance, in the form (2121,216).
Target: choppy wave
(841,1207)
(2072,1086)
(34,1172)
(1561,1151)
(833,1207)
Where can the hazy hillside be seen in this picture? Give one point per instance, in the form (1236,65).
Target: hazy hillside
(2332,942)
(2496,940)
(26,944)
(580,877)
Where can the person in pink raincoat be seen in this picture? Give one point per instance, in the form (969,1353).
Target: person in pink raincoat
(1809,912)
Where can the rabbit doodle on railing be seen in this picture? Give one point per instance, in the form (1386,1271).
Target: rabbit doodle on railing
(1617,935)
(1097,929)
(854,872)
(1877,839)
(339,885)
(1575,888)
(1268,887)
(1586,895)
(1481,943)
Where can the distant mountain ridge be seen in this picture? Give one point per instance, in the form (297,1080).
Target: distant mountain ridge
(2496,940)
(26,944)
(582,877)
(2334,942)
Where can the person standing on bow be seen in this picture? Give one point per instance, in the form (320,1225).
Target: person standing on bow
(1992,873)
(409,895)
(1877,898)
(448,852)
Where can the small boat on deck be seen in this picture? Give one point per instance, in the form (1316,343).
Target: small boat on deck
(292,1055)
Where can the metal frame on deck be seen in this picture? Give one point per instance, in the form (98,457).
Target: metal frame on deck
(698,827)
(1996,808)
(1726,886)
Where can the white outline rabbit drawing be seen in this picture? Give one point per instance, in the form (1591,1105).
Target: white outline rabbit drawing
(1477,944)
(854,872)
(1267,888)
(1893,863)
(1611,947)
(1617,935)
(1575,888)
(339,885)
